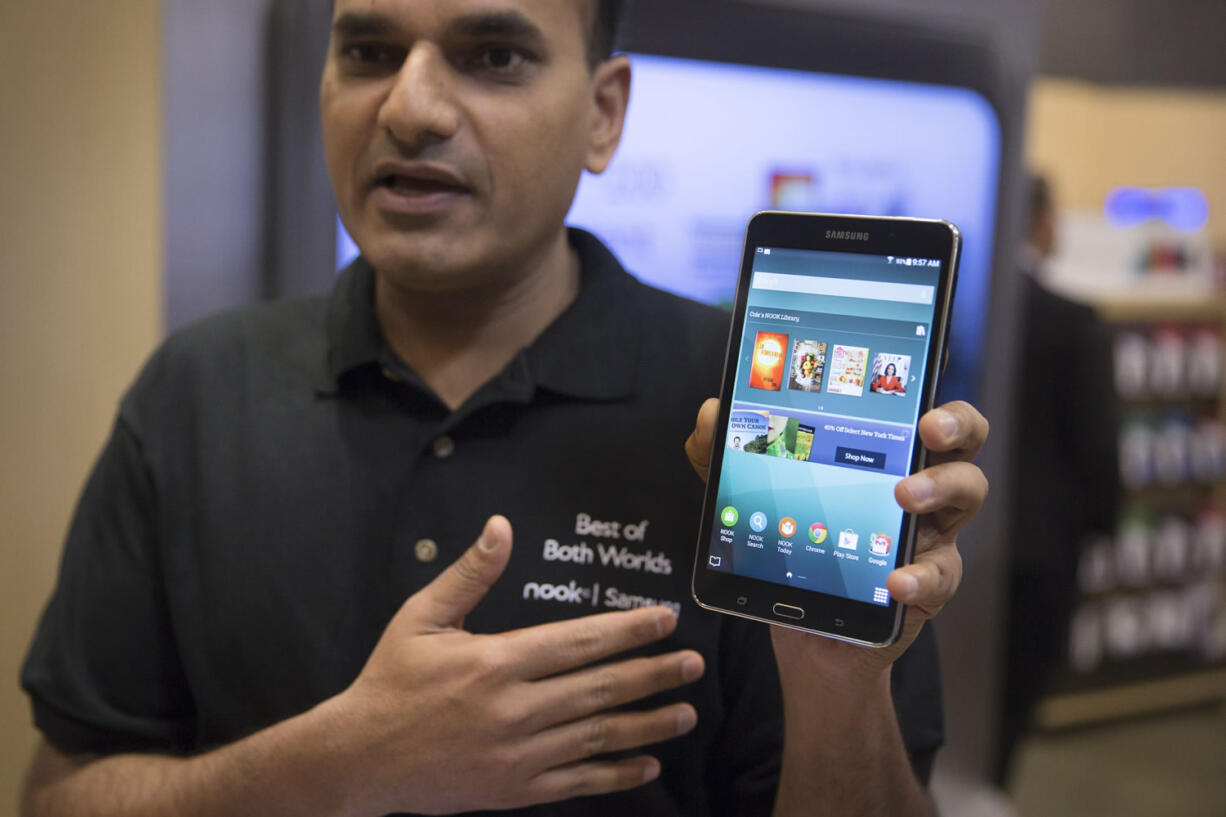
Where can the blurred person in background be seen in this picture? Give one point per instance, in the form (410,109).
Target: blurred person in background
(1065,471)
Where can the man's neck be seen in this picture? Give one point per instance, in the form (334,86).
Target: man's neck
(457,341)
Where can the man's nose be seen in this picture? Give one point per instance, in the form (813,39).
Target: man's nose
(420,108)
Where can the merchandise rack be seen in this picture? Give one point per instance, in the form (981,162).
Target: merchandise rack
(1162,679)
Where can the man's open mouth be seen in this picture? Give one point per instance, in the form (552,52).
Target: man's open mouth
(415,186)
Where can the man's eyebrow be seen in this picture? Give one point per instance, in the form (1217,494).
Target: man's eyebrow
(363,24)
(510,25)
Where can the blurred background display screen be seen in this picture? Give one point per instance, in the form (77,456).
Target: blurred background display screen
(708,144)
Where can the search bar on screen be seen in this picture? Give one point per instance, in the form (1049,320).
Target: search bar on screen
(844,287)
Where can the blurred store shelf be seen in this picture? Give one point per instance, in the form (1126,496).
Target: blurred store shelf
(1148,630)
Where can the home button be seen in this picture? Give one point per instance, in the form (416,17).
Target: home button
(788,611)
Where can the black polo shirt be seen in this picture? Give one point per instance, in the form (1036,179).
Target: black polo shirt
(277,484)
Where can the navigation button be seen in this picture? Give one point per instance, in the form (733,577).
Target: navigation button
(788,611)
(859,457)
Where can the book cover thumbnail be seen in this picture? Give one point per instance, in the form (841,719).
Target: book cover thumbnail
(804,441)
(890,374)
(779,439)
(848,368)
(745,426)
(766,371)
(808,365)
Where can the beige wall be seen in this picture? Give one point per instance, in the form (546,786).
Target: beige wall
(1089,139)
(80,283)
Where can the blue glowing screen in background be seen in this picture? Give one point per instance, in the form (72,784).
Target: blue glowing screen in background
(709,144)
(346,250)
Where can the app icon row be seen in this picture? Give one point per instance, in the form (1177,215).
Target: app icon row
(878,543)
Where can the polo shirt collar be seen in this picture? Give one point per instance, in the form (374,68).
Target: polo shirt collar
(591,351)
(354,339)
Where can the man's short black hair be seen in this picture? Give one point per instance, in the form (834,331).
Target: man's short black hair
(603,36)
(608,14)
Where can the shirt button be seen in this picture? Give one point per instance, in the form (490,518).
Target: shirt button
(390,375)
(444,447)
(426,550)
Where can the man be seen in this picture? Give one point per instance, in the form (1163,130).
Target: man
(280,480)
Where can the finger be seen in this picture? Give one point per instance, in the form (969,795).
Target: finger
(698,446)
(954,431)
(548,649)
(930,581)
(950,494)
(586,779)
(444,602)
(576,695)
(610,732)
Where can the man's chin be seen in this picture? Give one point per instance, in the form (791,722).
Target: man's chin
(453,257)
(428,265)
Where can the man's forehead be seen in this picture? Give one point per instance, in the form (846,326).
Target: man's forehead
(443,10)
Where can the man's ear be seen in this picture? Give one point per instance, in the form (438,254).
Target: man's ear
(610,96)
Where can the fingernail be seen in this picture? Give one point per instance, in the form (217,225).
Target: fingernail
(486,541)
(921,487)
(910,587)
(665,622)
(691,669)
(686,720)
(651,771)
(947,421)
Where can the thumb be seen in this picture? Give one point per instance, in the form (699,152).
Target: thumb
(444,602)
(698,446)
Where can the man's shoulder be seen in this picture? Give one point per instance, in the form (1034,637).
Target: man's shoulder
(649,309)
(681,341)
(669,312)
(1055,307)
(270,324)
(675,345)
(273,342)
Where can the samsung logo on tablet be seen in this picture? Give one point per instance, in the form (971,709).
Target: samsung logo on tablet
(845,235)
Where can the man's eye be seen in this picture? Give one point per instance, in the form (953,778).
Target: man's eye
(372,56)
(501,60)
